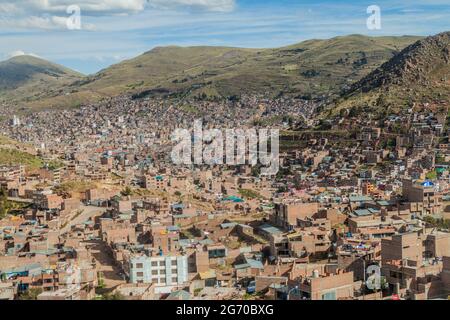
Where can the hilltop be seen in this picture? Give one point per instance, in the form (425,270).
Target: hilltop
(28,78)
(310,69)
(418,76)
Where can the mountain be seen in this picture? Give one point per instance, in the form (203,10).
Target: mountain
(310,69)
(28,78)
(314,67)
(418,75)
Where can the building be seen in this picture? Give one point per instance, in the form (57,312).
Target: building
(336,286)
(60,294)
(286,214)
(155,182)
(48,201)
(424,193)
(136,291)
(162,271)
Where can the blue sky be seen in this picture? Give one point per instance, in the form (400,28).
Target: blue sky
(113,30)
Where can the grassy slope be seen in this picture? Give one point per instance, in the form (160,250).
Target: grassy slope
(14,153)
(27,78)
(309,67)
(314,67)
(14,157)
(420,74)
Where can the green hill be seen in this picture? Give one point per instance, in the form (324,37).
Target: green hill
(28,78)
(418,76)
(314,68)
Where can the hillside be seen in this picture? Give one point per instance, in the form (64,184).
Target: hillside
(313,68)
(419,75)
(28,78)
(14,153)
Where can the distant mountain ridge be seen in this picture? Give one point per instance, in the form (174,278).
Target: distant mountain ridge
(310,69)
(418,74)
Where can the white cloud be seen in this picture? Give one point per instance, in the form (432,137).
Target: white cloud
(209,5)
(52,14)
(19,53)
(16,54)
(89,7)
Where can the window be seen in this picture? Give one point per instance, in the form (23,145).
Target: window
(162,264)
(139,265)
(154,263)
(140,274)
(155,272)
(162,272)
(162,280)
(174,279)
(174,262)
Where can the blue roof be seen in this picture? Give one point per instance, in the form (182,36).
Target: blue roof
(362,212)
(270,229)
(26,268)
(365,212)
(233,198)
(255,264)
(360,199)
(178,206)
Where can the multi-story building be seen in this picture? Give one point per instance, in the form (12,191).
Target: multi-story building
(412,264)
(158,182)
(286,214)
(334,286)
(162,271)
(424,193)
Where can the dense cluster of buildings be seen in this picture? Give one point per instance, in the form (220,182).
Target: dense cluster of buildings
(360,212)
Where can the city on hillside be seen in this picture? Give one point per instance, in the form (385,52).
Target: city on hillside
(340,188)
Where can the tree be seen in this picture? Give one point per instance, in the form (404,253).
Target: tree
(432,175)
(30,294)
(127,192)
(3,203)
